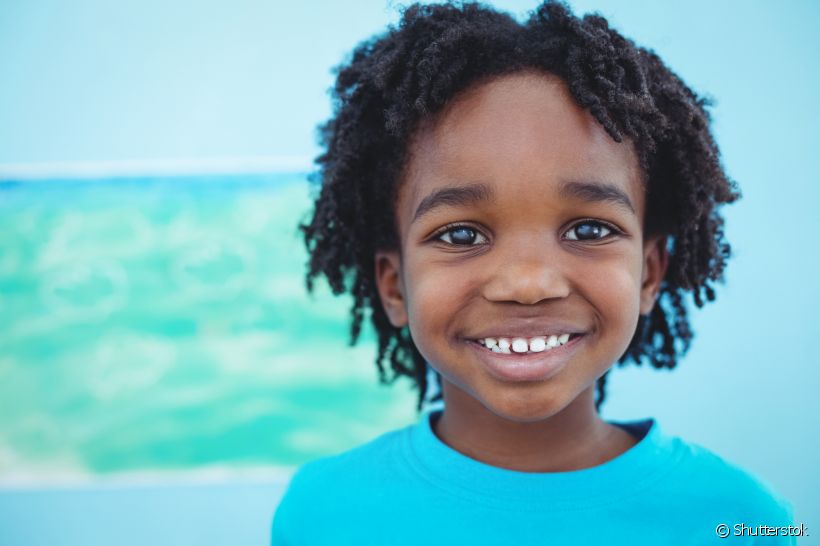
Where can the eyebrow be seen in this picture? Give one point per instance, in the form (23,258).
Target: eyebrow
(454,196)
(596,192)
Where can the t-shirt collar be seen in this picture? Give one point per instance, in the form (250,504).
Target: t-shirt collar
(653,455)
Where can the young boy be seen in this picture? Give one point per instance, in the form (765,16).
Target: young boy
(520,207)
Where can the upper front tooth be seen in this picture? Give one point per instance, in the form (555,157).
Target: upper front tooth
(520,345)
(553,341)
(537,344)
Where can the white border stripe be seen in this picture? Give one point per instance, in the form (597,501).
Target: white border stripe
(209,475)
(159,167)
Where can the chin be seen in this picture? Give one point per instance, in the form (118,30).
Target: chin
(525,409)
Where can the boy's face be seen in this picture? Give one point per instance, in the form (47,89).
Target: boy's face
(519,218)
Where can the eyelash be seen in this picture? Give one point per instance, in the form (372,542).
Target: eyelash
(613,231)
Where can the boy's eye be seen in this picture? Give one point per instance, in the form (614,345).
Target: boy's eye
(462,236)
(588,230)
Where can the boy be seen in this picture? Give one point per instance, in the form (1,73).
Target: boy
(519,207)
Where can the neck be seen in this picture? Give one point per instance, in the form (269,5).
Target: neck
(574,438)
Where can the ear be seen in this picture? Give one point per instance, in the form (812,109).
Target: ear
(655,263)
(390,286)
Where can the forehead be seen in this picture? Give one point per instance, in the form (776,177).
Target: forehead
(519,132)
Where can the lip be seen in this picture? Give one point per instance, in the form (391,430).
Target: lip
(527,328)
(526,366)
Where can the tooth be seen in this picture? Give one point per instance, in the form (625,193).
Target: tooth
(504,345)
(537,344)
(519,345)
(495,349)
(553,341)
(490,342)
(563,338)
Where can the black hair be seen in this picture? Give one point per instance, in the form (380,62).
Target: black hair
(395,80)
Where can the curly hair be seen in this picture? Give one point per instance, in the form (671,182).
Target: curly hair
(395,80)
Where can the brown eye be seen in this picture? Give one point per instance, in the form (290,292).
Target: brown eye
(588,231)
(462,236)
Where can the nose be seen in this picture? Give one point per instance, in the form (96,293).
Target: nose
(528,272)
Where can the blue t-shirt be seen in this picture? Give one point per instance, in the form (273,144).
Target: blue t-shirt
(407,487)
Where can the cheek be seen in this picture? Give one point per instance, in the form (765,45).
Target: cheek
(614,289)
(434,296)
(608,279)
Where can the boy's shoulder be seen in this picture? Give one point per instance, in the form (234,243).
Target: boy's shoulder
(704,478)
(370,461)
(332,486)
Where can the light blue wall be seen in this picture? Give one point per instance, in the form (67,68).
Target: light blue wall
(93,80)
(97,80)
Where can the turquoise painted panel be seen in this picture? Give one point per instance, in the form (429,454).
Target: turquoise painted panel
(163,323)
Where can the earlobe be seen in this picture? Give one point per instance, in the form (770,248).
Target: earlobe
(656,262)
(389,284)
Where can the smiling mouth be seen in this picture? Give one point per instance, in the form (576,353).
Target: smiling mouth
(516,364)
(525,345)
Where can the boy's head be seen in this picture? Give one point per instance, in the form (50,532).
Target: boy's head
(486,183)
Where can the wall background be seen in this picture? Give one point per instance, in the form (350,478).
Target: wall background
(230,94)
